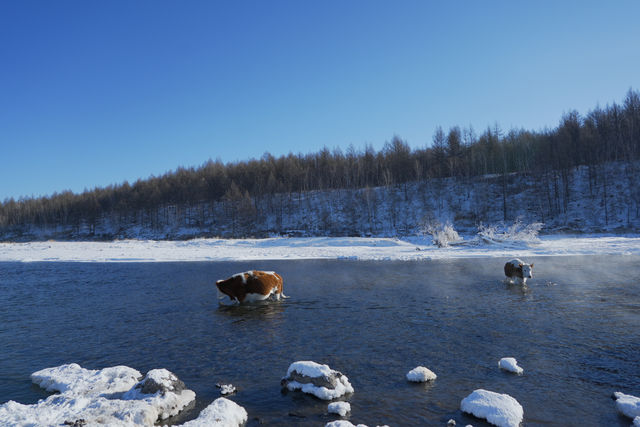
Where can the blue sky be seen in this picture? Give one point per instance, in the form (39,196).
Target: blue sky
(94,93)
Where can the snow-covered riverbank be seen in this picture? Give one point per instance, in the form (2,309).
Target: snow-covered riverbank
(412,248)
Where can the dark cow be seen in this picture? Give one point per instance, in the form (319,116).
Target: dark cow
(252,286)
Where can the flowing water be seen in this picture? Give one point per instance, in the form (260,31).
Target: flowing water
(575,330)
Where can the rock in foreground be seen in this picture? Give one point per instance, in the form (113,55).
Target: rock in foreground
(114,396)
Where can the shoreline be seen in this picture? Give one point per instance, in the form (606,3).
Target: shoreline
(308,248)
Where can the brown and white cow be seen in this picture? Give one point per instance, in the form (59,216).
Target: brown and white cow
(252,286)
(518,270)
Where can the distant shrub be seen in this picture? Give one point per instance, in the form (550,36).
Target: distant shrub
(442,235)
(515,233)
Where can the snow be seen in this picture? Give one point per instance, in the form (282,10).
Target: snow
(73,378)
(226,389)
(310,369)
(112,396)
(510,364)
(498,409)
(345,423)
(421,374)
(343,387)
(281,248)
(342,423)
(221,413)
(163,377)
(340,408)
(628,405)
(315,370)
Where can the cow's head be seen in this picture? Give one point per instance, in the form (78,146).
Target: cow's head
(227,286)
(527,270)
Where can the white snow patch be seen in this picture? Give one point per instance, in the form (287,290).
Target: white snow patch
(340,408)
(81,381)
(498,409)
(310,369)
(510,364)
(628,405)
(421,374)
(366,249)
(168,403)
(221,413)
(107,396)
(162,377)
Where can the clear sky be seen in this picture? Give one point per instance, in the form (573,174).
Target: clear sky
(94,93)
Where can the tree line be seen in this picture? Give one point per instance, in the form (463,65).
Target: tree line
(602,135)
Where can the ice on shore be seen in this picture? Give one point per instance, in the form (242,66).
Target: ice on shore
(421,374)
(114,396)
(317,379)
(360,248)
(498,409)
(510,364)
(340,408)
(628,405)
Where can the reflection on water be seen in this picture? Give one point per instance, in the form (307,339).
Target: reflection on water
(575,329)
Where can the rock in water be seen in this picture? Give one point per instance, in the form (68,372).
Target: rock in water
(499,409)
(421,374)
(319,380)
(160,380)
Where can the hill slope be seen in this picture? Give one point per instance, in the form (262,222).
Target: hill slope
(577,201)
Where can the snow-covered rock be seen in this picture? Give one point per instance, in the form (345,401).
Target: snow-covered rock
(156,380)
(498,409)
(221,413)
(421,374)
(510,364)
(162,390)
(628,405)
(340,408)
(111,396)
(81,381)
(319,380)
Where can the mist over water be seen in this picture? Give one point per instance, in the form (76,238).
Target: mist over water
(575,329)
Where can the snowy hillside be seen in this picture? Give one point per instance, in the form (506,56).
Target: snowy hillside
(571,202)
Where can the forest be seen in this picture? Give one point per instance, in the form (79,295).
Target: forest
(243,189)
